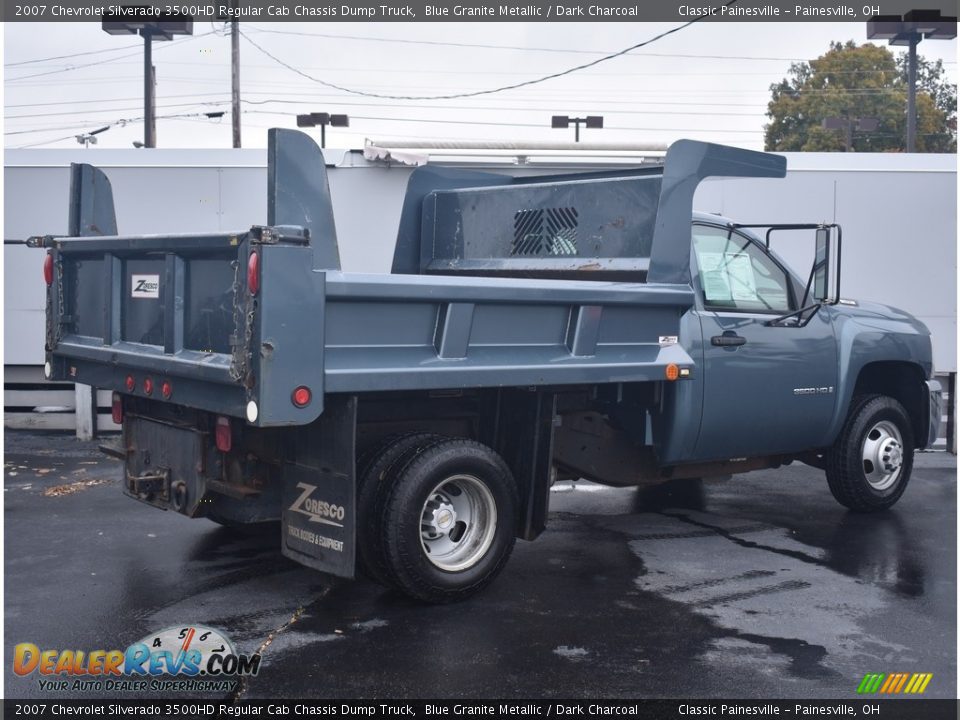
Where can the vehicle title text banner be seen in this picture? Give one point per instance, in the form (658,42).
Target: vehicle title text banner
(140,11)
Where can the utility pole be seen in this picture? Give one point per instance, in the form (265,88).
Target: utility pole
(235,75)
(149,92)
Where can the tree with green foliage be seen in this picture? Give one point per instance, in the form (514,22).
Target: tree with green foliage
(865,81)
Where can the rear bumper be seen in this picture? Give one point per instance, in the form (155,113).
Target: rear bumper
(934,411)
(166,465)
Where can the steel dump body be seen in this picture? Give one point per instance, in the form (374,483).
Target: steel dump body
(179,307)
(374,333)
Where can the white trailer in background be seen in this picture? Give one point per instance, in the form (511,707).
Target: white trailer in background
(882,201)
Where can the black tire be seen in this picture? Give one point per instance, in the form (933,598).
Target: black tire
(375,472)
(856,480)
(472,481)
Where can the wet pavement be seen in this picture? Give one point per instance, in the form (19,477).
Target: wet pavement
(759,586)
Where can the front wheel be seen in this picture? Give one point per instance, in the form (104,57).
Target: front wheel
(869,466)
(448,521)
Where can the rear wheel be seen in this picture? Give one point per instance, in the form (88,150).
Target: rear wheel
(869,466)
(448,521)
(375,473)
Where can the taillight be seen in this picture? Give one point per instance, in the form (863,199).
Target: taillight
(253,273)
(301,396)
(48,269)
(148,386)
(224,437)
(131,383)
(116,408)
(166,389)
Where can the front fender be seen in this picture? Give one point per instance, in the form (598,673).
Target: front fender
(872,339)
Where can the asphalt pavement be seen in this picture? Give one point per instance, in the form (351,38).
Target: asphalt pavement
(757,586)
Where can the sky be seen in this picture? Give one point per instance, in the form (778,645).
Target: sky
(710,81)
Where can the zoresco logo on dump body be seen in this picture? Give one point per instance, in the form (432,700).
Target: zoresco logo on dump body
(181,653)
(895,683)
(145,286)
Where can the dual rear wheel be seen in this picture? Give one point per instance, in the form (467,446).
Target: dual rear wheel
(436,515)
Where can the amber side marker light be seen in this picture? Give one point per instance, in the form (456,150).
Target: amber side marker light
(672,371)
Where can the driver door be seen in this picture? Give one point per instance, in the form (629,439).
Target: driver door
(767,389)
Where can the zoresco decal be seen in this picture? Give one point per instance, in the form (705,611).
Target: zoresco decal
(145,286)
(181,653)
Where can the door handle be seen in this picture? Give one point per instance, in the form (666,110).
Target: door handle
(728,339)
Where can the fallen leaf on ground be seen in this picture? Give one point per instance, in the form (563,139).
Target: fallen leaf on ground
(70,488)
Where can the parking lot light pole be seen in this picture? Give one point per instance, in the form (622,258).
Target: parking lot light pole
(848,125)
(323,119)
(148,31)
(909,30)
(590,121)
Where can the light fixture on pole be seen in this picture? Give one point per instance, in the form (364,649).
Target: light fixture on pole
(150,31)
(909,30)
(323,119)
(590,121)
(90,138)
(848,125)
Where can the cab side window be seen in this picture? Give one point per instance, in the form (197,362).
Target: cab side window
(735,274)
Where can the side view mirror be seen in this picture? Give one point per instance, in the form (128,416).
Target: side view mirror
(826,266)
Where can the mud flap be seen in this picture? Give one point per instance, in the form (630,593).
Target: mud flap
(319,491)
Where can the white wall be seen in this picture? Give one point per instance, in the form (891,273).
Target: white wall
(898,212)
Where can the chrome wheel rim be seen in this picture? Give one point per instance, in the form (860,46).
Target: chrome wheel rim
(882,455)
(457,523)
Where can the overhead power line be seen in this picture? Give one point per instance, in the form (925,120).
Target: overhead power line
(488,46)
(71,55)
(100,62)
(489,91)
(325,96)
(121,122)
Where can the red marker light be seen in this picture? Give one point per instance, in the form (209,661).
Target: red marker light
(131,383)
(223,434)
(148,386)
(253,273)
(301,396)
(116,408)
(166,389)
(48,269)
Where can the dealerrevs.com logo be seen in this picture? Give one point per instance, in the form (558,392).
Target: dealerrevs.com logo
(187,658)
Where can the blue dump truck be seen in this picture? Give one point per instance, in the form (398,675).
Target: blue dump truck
(409,425)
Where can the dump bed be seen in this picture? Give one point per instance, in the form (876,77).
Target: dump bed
(234,323)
